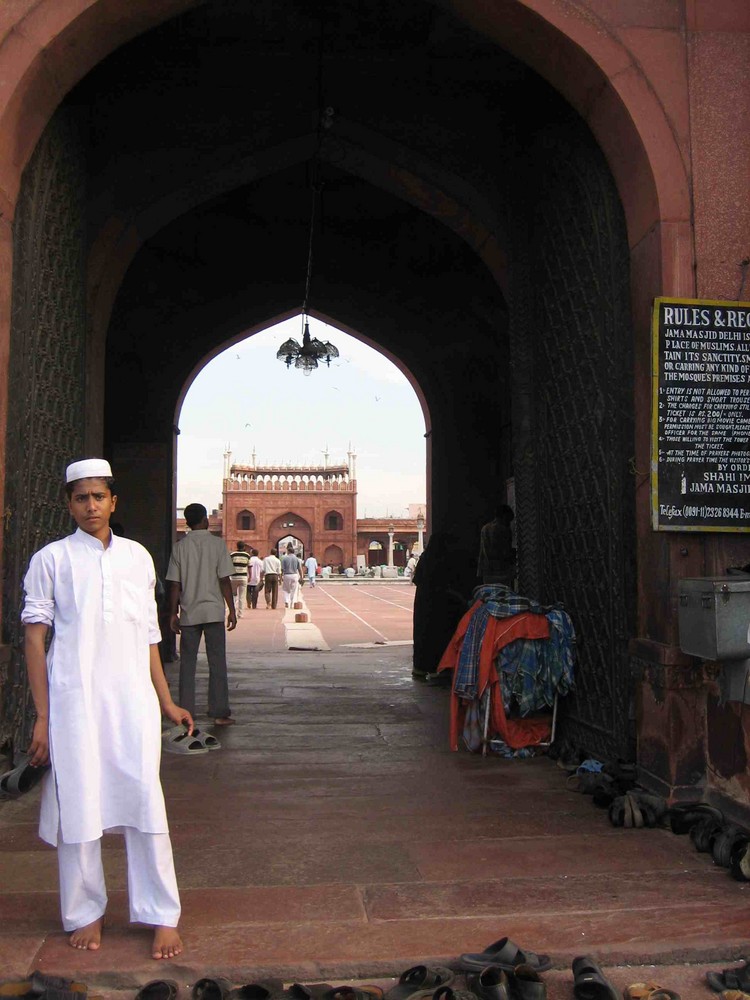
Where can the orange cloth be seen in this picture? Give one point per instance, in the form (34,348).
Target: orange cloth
(498,633)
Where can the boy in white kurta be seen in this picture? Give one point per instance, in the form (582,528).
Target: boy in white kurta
(99,693)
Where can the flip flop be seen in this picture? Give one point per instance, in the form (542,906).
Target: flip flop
(176,740)
(206,739)
(526,984)
(420,979)
(736,978)
(589,982)
(649,991)
(506,955)
(734,995)
(158,989)
(211,989)
(22,778)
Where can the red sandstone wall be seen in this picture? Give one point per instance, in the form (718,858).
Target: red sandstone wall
(308,510)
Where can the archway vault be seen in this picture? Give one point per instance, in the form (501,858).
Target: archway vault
(426,186)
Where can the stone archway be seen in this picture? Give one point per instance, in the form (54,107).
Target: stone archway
(595,60)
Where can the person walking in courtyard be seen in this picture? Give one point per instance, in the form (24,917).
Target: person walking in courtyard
(241,562)
(291,576)
(311,568)
(99,693)
(199,572)
(271,577)
(254,573)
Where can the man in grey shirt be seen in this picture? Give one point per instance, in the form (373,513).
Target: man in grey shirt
(198,576)
(291,576)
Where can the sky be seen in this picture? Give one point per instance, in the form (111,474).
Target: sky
(248,400)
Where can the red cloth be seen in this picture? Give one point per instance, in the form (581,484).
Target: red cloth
(498,633)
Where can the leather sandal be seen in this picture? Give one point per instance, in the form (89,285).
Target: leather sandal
(491,984)
(420,979)
(526,984)
(506,955)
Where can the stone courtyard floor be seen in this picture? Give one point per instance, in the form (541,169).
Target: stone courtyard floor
(336,837)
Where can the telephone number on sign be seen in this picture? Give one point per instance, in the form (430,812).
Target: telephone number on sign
(728,512)
(670,511)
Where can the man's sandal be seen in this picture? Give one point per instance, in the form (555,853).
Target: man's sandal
(506,955)
(177,740)
(420,980)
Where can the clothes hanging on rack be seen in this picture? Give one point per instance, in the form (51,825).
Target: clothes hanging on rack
(533,648)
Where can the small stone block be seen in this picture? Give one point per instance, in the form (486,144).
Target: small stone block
(301,616)
(297,605)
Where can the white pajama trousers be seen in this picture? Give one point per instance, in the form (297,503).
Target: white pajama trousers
(290,589)
(152,885)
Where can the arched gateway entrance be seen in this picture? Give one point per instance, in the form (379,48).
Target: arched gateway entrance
(491,210)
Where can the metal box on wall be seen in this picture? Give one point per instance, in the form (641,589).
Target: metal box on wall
(714,616)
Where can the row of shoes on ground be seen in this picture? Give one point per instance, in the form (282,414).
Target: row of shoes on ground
(502,971)
(615,788)
(727,843)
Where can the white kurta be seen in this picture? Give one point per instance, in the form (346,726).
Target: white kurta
(105,720)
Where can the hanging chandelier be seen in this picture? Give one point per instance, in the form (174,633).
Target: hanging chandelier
(311,352)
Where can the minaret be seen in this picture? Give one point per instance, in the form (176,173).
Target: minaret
(352,462)
(227,461)
(325,457)
(255,459)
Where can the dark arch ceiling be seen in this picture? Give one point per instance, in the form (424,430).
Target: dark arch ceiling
(200,135)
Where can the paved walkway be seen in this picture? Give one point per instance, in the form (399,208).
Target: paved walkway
(335,836)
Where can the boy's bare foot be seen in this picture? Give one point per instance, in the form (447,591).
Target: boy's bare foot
(167,942)
(88,937)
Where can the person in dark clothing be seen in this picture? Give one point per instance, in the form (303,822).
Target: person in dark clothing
(497,557)
(438,606)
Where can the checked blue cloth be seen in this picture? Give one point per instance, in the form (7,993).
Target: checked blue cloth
(531,671)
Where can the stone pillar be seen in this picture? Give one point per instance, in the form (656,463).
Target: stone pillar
(391,531)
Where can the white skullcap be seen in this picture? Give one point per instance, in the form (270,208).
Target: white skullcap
(89,468)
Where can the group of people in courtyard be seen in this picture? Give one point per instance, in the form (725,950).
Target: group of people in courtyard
(99,690)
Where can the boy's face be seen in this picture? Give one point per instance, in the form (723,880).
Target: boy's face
(91,505)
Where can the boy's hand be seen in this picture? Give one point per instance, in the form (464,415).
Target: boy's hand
(232,620)
(39,746)
(174,623)
(180,716)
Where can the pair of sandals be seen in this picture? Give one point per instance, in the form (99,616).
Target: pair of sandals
(503,971)
(637,809)
(590,983)
(178,740)
(22,778)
